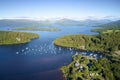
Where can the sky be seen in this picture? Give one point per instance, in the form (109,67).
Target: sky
(59,8)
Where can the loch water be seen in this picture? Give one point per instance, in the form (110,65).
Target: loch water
(39,59)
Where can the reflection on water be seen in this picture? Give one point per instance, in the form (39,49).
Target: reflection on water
(39,59)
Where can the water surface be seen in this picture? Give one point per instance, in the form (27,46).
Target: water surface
(40,59)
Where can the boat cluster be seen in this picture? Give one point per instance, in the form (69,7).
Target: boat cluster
(44,49)
(89,55)
(40,49)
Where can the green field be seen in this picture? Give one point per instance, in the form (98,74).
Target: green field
(7,37)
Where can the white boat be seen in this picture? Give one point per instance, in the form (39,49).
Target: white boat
(17,52)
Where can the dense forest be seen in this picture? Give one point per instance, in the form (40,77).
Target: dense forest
(7,37)
(86,68)
(104,42)
(83,68)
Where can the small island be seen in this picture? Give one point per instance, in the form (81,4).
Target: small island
(51,29)
(9,37)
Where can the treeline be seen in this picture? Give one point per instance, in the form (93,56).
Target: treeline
(107,42)
(7,37)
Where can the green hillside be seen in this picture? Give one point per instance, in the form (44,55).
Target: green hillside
(7,37)
(105,42)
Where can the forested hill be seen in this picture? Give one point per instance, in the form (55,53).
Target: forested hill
(107,42)
(9,38)
(110,26)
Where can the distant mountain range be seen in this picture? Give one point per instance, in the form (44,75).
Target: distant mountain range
(47,23)
(111,25)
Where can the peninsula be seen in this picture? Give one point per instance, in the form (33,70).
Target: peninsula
(9,38)
(83,68)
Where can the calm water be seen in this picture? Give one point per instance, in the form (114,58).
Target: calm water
(39,59)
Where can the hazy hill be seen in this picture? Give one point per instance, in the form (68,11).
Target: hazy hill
(110,25)
(87,22)
(22,23)
(115,24)
(41,23)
